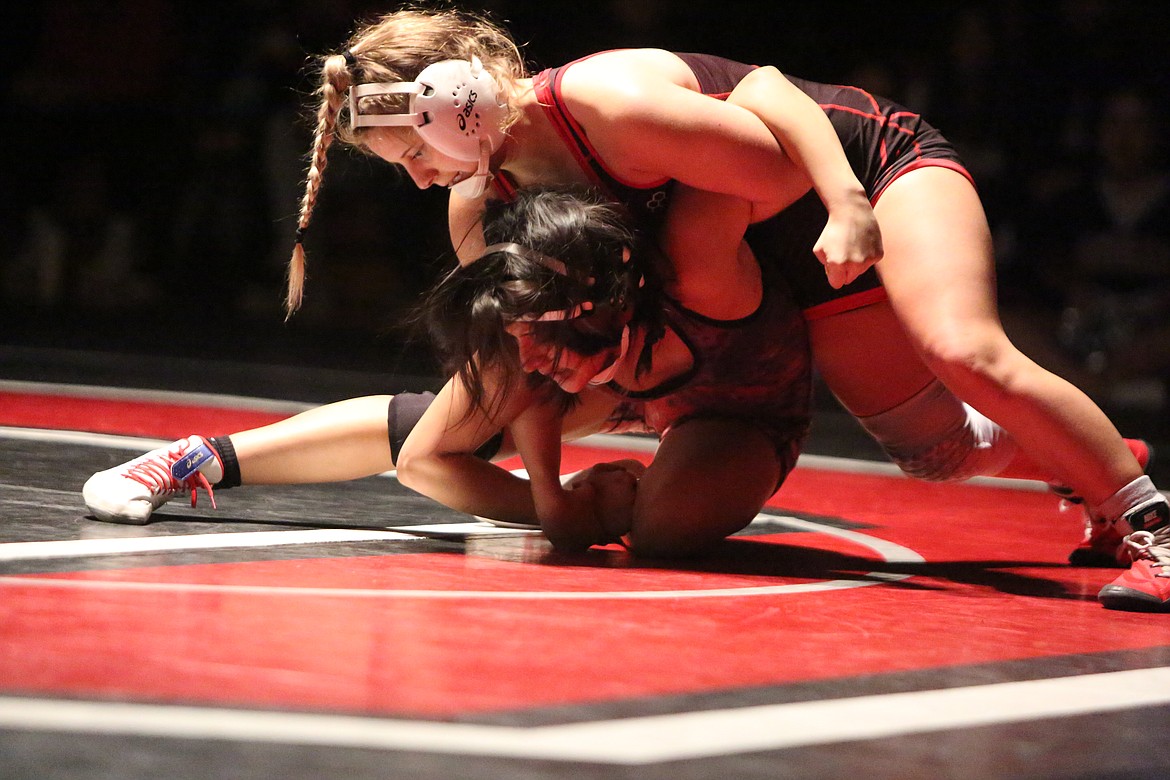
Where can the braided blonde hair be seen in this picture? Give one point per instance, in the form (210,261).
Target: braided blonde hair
(394,47)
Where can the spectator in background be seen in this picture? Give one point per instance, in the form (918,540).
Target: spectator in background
(1117,306)
(1099,234)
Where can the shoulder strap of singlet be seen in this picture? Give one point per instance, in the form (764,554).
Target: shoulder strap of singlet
(668,386)
(547,86)
(504,187)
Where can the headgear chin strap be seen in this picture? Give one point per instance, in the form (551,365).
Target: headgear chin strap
(456,107)
(606,375)
(558,266)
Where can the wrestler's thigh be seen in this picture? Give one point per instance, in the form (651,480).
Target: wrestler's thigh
(709,479)
(866,359)
(939,268)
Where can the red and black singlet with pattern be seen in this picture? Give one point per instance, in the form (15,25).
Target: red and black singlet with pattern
(882,140)
(757,369)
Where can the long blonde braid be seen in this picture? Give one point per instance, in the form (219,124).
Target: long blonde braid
(335,80)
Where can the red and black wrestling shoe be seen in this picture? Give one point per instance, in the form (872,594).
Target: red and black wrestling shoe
(1102,544)
(1146,586)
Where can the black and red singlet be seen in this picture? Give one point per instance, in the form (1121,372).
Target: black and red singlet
(882,140)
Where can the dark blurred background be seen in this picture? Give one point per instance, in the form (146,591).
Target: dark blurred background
(154,151)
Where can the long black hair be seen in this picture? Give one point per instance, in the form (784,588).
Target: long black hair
(565,253)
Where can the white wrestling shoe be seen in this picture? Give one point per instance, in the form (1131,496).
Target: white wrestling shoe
(131,492)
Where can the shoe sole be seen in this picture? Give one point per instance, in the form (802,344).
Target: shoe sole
(108,516)
(1129,600)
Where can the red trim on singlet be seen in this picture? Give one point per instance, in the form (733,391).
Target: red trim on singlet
(856,112)
(873,101)
(562,121)
(548,96)
(925,162)
(848,303)
(504,187)
(891,122)
(878,294)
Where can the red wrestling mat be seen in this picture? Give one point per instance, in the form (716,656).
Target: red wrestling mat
(505,624)
(126,417)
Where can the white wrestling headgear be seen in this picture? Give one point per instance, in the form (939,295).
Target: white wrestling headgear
(456,107)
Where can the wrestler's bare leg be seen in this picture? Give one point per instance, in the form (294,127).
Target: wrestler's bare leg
(349,440)
(338,441)
(939,272)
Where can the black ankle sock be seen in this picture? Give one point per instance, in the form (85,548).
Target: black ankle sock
(227,456)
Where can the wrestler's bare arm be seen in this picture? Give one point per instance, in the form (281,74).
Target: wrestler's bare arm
(851,241)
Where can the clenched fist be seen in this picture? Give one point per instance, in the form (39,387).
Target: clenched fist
(614,486)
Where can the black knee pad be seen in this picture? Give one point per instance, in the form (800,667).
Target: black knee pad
(406,409)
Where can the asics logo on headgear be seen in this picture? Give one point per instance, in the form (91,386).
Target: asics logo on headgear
(450,89)
(455,105)
(469,107)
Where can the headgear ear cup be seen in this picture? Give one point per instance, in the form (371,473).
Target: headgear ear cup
(455,106)
(462,106)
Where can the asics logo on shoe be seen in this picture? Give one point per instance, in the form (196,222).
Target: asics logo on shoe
(182,469)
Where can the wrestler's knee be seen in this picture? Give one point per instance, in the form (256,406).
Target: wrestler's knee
(668,529)
(657,541)
(960,347)
(974,361)
(935,437)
